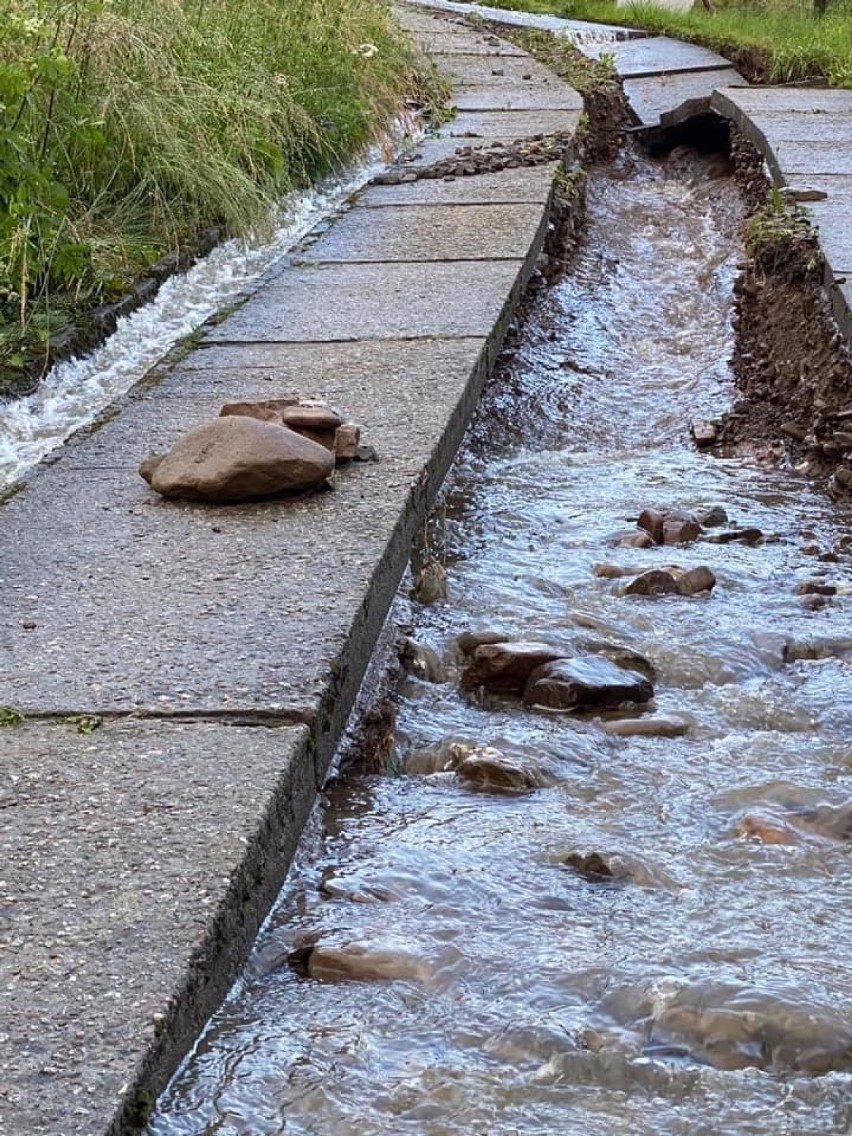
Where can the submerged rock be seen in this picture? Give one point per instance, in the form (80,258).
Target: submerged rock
(330,961)
(584,683)
(421,661)
(490,770)
(739,1028)
(742,536)
(442,758)
(468,641)
(238,459)
(622,656)
(656,726)
(591,866)
(713,517)
(430,584)
(504,668)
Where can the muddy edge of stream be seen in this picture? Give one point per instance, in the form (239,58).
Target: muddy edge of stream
(539,895)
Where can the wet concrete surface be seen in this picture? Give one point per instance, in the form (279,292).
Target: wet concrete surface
(222,623)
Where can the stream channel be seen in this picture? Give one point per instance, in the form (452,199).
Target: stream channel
(472,972)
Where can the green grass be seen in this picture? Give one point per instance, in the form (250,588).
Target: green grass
(127,126)
(772,41)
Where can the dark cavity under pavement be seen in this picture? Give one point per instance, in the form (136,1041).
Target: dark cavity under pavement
(705,989)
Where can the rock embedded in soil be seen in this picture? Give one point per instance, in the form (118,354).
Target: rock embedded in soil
(504,668)
(238,458)
(489,770)
(585,683)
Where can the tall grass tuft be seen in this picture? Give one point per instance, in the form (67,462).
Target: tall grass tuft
(126,126)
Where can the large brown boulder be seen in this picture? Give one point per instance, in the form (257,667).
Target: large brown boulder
(238,458)
(587,682)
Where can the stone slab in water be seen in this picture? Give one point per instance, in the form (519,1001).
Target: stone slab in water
(120,849)
(657,55)
(532,184)
(410,233)
(376,301)
(671,99)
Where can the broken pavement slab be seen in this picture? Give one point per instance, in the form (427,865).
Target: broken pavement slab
(667,81)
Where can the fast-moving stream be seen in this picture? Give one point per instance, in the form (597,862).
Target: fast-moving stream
(474,968)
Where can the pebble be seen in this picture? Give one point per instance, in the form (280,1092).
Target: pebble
(659,726)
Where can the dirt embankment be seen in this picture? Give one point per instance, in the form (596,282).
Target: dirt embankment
(792,365)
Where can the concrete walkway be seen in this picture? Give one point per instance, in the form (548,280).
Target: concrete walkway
(223,648)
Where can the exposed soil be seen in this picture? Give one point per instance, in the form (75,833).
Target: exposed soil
(792,365)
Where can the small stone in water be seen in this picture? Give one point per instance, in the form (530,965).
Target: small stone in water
(490,770)
(651,727)
(584,683)
(713,517)
(592,866)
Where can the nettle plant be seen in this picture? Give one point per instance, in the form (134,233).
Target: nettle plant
(39,86)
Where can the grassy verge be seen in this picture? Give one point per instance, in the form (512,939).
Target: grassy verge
(129,126)
(772,41)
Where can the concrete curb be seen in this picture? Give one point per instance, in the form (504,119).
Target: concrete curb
(223,648)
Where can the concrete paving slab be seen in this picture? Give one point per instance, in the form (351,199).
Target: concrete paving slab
(170,607)
(510,124)
(138,862)
(811,158)
(657,55)
(835,236)
(422,233)
(801,127)
(480,71)
(522,96)
(447,43)
(376,301)
(675,97)
(525,184)
(791,100)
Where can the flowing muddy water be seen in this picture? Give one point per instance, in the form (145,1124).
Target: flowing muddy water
(707,988)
